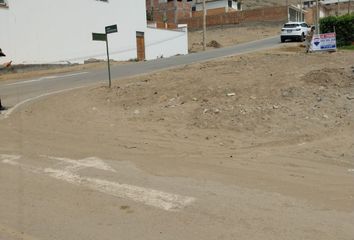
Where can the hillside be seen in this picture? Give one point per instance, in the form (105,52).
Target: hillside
(251,4)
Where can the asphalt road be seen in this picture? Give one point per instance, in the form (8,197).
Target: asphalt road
(17,92)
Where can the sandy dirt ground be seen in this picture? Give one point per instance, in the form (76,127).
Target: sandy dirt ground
(264,142)
(231,34)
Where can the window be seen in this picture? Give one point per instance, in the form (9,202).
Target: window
(230,3)
(3,3)
(291,25)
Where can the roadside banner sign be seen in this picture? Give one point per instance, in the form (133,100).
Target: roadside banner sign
(111,29)
(99,37)
(324,42)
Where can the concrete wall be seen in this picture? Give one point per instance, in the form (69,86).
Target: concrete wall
(235,6)
(217,4)
(43,31)
(212,5)
(158,42)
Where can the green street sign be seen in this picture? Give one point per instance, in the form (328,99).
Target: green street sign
(111,29)
(99,37)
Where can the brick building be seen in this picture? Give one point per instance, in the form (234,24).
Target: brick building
(168,10)
(173,10)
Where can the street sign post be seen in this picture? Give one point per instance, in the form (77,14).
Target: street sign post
(109,64)
(104,37)
(111,29)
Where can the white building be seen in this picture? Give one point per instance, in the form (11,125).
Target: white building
(44,31)
(215,4)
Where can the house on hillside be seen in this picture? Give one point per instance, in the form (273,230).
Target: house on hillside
(42,31)
(327,8)
(168,10)
(336,7)
(296,14)
(221,5)
(171,11)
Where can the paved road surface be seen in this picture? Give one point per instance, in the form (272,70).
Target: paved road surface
(13,93)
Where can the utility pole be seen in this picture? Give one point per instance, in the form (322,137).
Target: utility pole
(287,9)
(317,17)
(349,6)
(176,11)
(165,10)
(204,25)
(300,13)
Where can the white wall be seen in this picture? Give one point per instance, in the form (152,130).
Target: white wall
(44,31)
(216,4)
(212,5)
(322,13)
(234,6)
(158,42)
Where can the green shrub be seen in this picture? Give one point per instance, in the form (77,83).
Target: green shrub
(343,25)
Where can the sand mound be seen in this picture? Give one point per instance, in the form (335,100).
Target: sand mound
(329,77)
(240,94)
(214,44)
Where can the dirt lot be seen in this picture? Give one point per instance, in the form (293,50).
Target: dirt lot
(264,140)
(231,34)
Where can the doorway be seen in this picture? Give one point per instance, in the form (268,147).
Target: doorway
(140,46)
